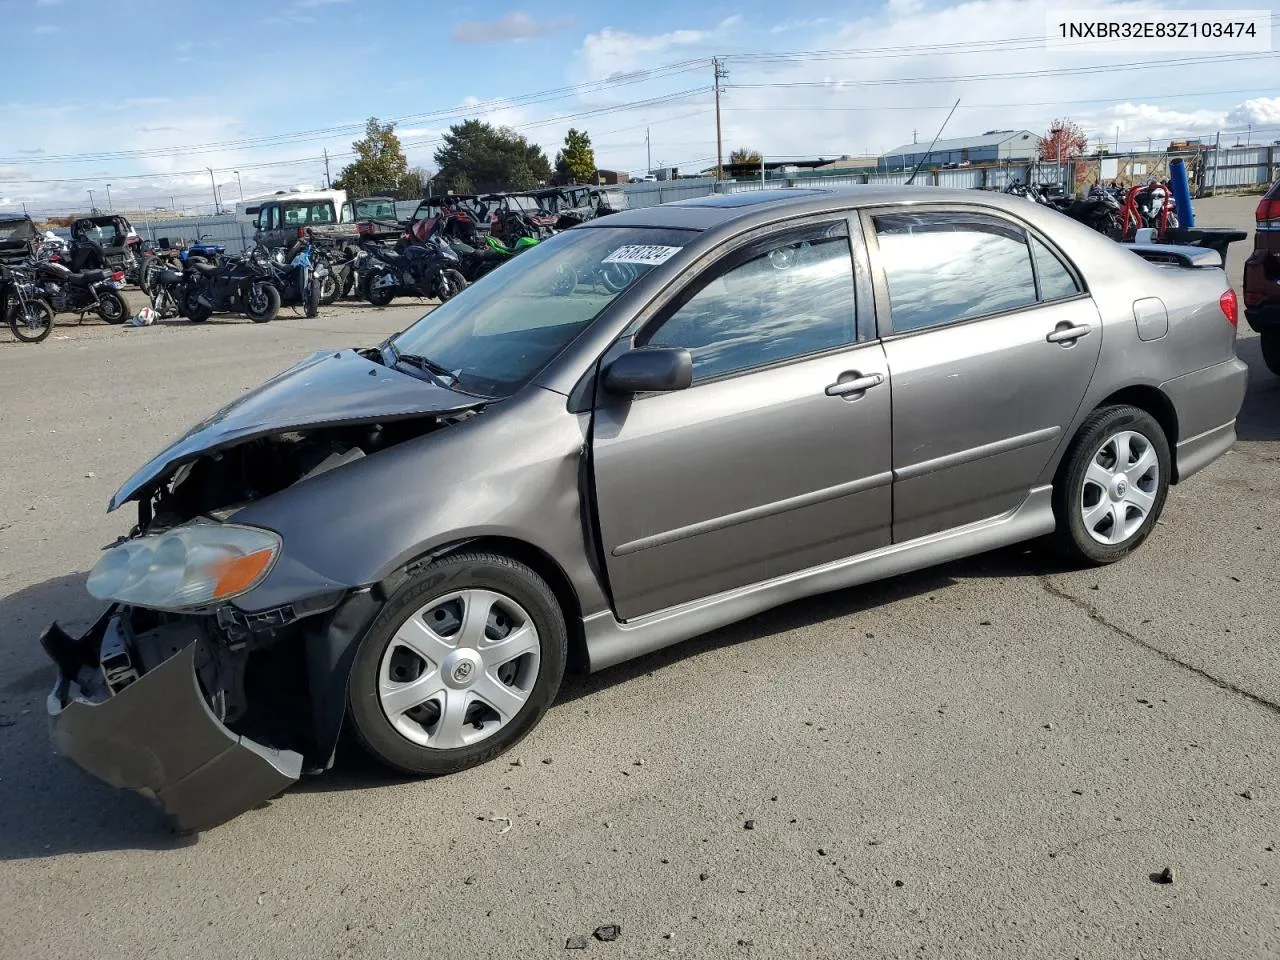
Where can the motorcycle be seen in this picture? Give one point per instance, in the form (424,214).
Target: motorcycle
(89,291)
(429,269)
(29,317)
(299,275)
(237,285)
(167,289)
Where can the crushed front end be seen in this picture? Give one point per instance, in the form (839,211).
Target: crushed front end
(132,708)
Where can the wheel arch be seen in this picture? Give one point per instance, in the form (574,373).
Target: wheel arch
(536,559)
(1154,401)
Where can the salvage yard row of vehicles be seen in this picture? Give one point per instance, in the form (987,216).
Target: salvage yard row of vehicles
(309,250)
(560,468)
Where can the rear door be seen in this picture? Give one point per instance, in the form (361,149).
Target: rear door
(991,341)
(777,458)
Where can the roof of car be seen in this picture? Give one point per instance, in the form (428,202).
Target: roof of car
(704,213)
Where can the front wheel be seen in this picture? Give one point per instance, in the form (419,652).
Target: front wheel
(1271,349)
(262,302)
(31,320)
(460,664)
(449,283)
(378,294)
(111,307)
(1111,486)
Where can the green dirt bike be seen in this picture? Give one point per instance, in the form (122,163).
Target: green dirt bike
(493,253)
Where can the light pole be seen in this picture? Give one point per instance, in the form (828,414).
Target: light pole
(239,185)
(108,198)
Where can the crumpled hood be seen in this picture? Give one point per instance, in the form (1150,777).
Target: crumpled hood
(327,389)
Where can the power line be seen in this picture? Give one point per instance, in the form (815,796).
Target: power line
(1013,75)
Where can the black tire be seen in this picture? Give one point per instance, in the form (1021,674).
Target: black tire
(32,325)
(485,571)
(1271,350)
(311,299)
(112,308)
(329,289)
(262,302)
(193,309)
(378,296)
(349,287)
(1072,535)
(449,283)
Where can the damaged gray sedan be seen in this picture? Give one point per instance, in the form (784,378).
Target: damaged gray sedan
(642,429)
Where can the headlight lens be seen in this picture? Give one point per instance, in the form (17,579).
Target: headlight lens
(189,566)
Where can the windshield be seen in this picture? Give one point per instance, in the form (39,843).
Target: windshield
(304,213)
(499,332)
(375,208)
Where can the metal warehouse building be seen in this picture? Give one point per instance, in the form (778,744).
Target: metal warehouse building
(991,147)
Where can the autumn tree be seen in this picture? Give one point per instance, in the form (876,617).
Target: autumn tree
(379,166)
(1064,140)
(476,157)
(576,162)
(745,155)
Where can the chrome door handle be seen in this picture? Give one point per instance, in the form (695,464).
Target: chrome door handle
(842,388)
(1068,334)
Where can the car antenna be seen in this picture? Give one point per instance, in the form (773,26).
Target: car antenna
(911,179)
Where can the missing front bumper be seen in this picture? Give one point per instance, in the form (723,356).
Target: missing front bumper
(158,736)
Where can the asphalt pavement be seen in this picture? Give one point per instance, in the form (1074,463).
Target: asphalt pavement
(994,758)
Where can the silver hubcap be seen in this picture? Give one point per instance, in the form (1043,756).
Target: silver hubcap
(1120,487)
(459,669)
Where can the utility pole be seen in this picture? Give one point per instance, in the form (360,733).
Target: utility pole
(215,190)
(1117,139)
(762,171)
(24,209)
(108,198)
(92,208)
(914,138)
(1217,147)
(720,74)
(327,181)
(648,153)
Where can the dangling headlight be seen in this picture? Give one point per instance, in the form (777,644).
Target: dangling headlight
(194,565)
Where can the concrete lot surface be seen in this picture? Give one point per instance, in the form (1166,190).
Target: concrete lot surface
(989,759)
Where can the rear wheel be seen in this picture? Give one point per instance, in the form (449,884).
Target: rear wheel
(1111,486)
(31,321)
(460,664)
(328,289)
(111,307)
(1271,350)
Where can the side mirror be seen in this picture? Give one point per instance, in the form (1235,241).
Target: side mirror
(650,370)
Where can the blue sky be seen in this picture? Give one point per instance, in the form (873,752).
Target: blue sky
(146,100)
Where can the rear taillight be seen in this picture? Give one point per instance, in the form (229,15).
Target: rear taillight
(117,276)
(1268,215)
(302,232)
(1230,308)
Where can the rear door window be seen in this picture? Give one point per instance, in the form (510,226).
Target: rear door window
(945,267)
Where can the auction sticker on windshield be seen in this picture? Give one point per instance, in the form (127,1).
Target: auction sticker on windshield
(649,254)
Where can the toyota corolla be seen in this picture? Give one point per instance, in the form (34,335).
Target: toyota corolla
(642,429)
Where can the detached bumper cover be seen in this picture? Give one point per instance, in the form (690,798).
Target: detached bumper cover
(158,736)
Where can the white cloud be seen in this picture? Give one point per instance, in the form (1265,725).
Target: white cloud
(1258,111)
(610,52)
(512,26)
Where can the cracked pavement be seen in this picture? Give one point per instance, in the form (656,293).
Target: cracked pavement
(992,758)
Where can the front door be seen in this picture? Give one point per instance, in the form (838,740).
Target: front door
(777,458)
(991,341)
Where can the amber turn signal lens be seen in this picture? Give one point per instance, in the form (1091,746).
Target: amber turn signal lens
(236,576)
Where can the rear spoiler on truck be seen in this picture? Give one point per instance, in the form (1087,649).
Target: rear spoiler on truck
(1182,256)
